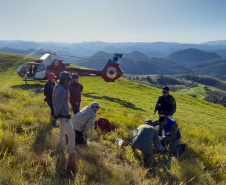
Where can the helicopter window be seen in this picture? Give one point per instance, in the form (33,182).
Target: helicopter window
(39,68)
(24,68)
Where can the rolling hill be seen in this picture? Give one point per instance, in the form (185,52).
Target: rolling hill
(212,67)
(192,55)
(137,66)
(205,87)
(136,55)
(27,142)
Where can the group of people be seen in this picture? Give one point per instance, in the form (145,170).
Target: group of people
(72,129)
(148,137)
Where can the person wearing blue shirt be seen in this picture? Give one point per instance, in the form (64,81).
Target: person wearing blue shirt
(171,135)
(62,112)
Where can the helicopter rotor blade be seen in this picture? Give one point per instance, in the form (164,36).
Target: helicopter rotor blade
(74,57)
(53,53)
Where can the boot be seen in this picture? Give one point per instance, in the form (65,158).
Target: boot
(71,165)
(54,124)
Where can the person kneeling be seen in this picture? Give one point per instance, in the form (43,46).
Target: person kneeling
(144,138)
(83,121)
(171,135)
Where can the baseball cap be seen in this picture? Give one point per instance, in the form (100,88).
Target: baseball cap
(95,104)
(148,122)
(51,76)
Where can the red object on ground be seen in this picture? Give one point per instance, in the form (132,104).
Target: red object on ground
(103,124)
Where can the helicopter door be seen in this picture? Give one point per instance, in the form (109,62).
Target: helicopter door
(39,71)
(29,70)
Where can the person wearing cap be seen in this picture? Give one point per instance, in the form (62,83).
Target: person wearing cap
(83,121)
(62,111)
(166,104)
(145,138)
(75,90)
(171,135)
(48,92)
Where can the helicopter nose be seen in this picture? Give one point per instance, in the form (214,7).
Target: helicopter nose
(19,71)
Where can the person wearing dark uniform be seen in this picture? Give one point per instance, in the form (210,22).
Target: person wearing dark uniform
(48,92)
(166,104)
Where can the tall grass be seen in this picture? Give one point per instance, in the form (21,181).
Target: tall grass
(29,145)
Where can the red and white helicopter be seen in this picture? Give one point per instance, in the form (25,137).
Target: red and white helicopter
(39,69)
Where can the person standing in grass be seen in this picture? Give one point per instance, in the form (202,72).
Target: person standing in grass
(75,90)
(166,104)
(83,121)
(48,92)
(144,138)
(62,113)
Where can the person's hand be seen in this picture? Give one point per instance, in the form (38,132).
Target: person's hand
(153,113)
(54,118)
(77,103)
(92,129)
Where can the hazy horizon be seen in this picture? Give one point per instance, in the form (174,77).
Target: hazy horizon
(109,42)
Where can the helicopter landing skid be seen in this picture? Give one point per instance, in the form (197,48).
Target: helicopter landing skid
(26,80)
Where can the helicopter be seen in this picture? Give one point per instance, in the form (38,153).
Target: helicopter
(39,69)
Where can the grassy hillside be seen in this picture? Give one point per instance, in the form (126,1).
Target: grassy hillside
(204,87)
(28,142)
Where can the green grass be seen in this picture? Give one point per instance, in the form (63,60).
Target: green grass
(199,91)
(27,140)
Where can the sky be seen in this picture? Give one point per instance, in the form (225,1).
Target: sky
(75,21)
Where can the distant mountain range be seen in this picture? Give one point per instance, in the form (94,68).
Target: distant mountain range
(139,58)
(216,43)
(137,65)
(154,49)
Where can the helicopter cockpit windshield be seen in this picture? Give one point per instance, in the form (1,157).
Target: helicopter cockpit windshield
(32,70)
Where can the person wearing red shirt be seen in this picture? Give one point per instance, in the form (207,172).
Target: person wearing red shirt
(75,90)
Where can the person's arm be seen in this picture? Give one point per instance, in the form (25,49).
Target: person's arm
(155,123)
(173,134)
(89,124)
(173,106)
(156,106)
(58,101)
(46,89)
(81,88)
